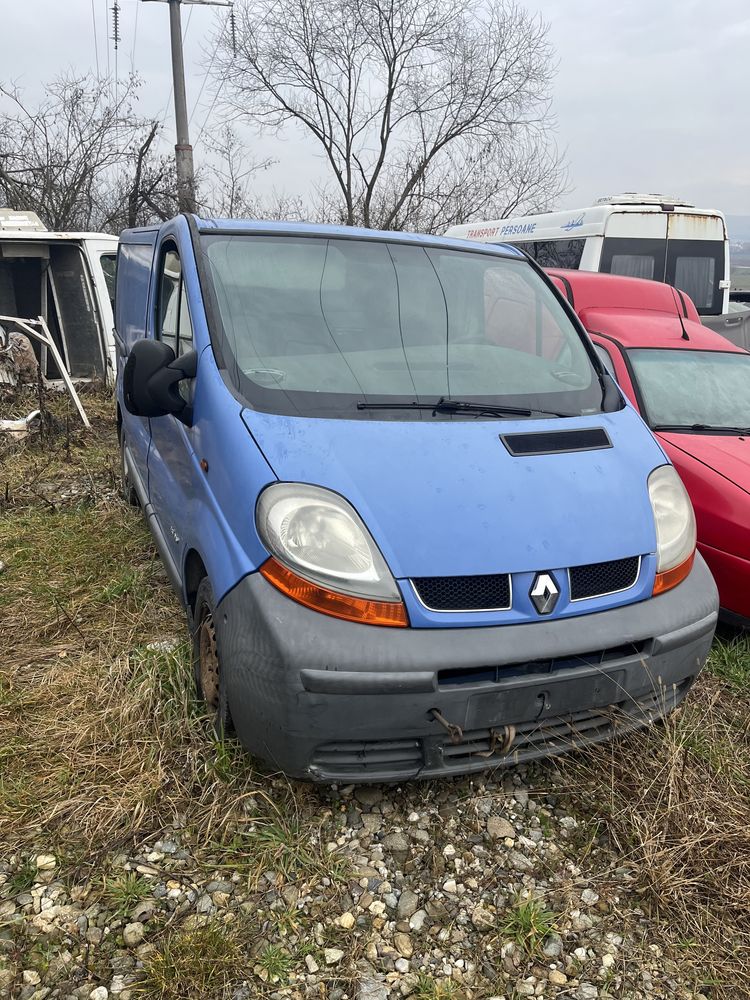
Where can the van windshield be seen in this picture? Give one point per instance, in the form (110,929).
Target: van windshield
(317,326)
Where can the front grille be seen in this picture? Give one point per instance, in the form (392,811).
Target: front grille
(598,579)
(490,592)
(454,677)
(358,757)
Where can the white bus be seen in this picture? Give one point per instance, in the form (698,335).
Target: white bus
(642,236)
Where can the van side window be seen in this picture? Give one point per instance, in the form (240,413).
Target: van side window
(185,340)
(169,299)
(174,326)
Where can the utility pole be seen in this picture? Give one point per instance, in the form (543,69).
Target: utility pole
(183,151)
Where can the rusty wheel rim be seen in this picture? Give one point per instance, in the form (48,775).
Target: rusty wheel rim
(209,663)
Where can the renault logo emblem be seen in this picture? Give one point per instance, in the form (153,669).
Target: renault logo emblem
(544,593)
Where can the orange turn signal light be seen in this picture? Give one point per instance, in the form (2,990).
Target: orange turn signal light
(329,602)
(665,581)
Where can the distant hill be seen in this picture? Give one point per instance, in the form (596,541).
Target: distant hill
(739,227)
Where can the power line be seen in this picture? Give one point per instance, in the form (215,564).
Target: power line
(96,44)
(206,75)
(135,37)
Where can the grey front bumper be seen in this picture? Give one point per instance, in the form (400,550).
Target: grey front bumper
(331,700)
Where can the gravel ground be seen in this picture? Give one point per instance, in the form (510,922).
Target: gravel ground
(467,889)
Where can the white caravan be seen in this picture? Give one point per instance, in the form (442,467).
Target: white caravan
(66,281)
(642,236)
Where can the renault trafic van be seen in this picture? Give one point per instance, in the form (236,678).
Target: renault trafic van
(416,527)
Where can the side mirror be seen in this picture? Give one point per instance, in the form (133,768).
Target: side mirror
(150,381)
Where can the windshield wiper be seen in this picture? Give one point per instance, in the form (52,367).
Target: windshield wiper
(705,428)
(444,405)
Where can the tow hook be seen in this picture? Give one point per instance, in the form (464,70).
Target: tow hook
(500,741)
(455,732)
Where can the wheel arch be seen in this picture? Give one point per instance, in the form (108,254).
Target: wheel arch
(194,571)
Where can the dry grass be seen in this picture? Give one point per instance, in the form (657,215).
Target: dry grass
(101,738)
(102,743)
(201,964)
(675,804)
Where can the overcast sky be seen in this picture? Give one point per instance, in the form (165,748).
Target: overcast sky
(650,95)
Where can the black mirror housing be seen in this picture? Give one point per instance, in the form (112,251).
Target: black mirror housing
(150,380)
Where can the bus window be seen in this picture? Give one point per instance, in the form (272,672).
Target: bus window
(634,258)
(696,267)
(554,253)
(633,265)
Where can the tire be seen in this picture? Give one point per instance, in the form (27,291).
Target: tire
(127,490)
(207,662)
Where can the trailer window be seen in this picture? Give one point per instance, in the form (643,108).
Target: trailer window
(108,262)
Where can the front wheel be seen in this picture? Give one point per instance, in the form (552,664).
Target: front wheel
(207,662)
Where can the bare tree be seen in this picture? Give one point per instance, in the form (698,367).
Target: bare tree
(82,158)
(427,111)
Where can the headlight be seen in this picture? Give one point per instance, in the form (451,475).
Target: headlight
(674,518)
(320,537)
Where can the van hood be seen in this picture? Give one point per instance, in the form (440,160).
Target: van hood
(444,497)
(727,454)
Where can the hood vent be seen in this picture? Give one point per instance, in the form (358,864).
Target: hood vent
(555,442)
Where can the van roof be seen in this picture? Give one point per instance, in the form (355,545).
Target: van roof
(255,226)
(260,227)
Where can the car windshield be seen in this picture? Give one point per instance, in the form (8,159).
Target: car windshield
(685,388)
(319,326)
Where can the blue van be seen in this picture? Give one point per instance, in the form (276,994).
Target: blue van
(416,528)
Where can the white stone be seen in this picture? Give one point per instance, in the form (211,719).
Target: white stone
(99,993)
(332,956)
(450,886)
(312,965)
(346,920)
(46,862)
(31,977)
(133,934)
(589,897)
(402,965)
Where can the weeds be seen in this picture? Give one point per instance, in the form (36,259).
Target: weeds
(275,964)
(428,988)
(200,964)
(123,892)
(527,924)
(22,879)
